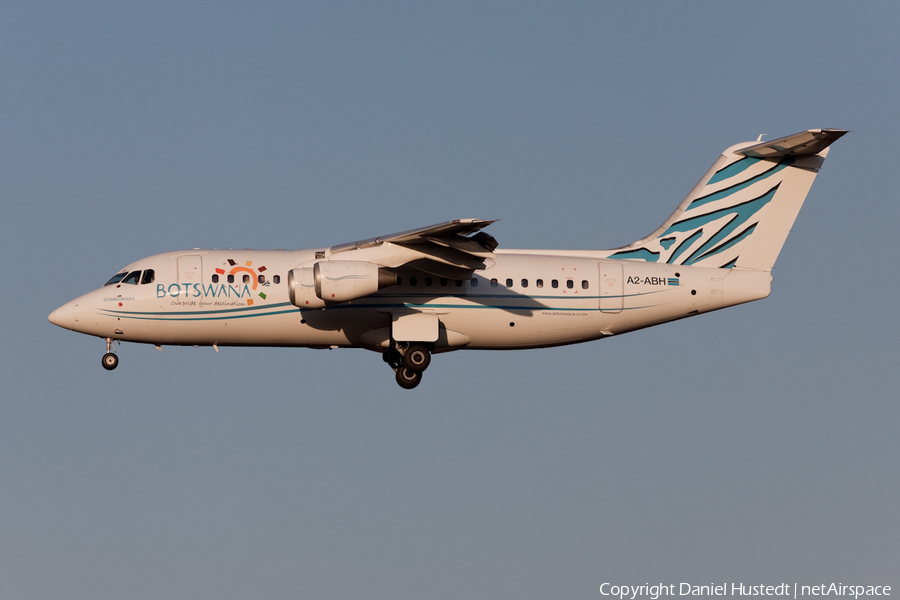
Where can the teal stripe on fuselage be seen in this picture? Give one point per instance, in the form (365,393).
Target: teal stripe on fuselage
(165,317)
(199,312)
(484,296)
(177,319)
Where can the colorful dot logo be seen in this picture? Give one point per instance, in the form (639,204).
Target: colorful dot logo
(255,275)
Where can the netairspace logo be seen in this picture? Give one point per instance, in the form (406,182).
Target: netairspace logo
(789,590)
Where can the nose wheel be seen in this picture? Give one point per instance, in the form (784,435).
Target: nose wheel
(110,360)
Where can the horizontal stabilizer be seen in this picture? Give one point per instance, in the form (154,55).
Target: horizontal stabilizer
(804,143)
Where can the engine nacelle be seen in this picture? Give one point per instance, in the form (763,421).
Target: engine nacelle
(302,288)
(333,281)
(344,280)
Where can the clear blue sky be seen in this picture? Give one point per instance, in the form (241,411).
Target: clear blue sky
(757,444)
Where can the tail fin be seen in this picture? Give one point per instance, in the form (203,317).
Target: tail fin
(742,210)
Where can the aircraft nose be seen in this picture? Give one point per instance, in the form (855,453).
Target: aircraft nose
(65,316)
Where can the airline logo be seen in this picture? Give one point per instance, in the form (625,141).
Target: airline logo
(243,282)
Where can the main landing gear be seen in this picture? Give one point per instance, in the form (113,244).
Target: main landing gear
(408,362)
(110,360)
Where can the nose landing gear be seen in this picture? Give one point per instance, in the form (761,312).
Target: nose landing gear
(110,360)
(408,363)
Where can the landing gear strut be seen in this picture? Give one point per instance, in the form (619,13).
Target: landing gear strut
(110,360)
(408,363)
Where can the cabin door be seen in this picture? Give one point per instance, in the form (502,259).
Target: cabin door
(612,297)
(190,269)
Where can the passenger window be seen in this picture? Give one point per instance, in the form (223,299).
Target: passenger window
(509,283)
(132,278)
(230,278)
(245,278)
(459,282)
(413,281)
(399,280)
(493,283)
(584,284)
(443,282)
(276,279)
(539,283)
(149,277)
(428,281)
(117,278)
(474,282)
(524,283)
(570,284)
(215,278)
(554,284)
(261,278)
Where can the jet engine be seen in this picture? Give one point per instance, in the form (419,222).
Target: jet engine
(334,281)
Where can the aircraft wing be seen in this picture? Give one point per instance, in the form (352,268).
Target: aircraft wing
(444,249)
(449,234)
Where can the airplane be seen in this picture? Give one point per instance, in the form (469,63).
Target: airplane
(449,287)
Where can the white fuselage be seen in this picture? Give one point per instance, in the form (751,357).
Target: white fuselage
(447,286)
(522,299)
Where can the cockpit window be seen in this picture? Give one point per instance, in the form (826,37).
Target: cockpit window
(149,276)
(117,278)
(132,278)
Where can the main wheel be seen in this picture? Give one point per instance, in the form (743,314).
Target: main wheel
(408,379)
(417,358)
(110,361)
